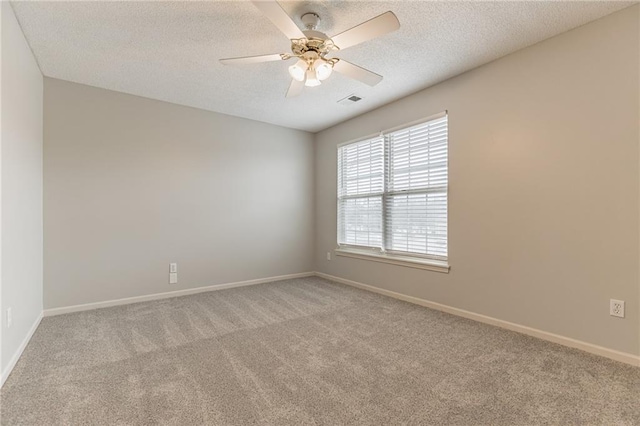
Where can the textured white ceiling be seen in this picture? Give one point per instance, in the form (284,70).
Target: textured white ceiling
(170,50)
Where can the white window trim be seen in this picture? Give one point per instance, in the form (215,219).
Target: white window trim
(410,260)
(394,259)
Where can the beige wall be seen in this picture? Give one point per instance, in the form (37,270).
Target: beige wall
(132,184)
(544,185)
(21,194)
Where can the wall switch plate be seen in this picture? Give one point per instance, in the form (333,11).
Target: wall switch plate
(9,317)
(616,308)
(328,255)
(173,267)
(173,278)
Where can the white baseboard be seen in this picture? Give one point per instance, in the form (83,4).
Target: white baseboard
(627,358)
(169,294)
(16,356)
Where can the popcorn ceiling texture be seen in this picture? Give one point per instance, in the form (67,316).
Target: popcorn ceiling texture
(300,352)
(169,50)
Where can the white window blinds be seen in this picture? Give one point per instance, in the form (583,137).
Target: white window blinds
(360,189)
(392,191)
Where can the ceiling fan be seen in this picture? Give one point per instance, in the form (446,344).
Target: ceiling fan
(311,47)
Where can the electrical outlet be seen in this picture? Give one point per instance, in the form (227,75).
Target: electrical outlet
(9,317)
(328,255)
(173,278)
(173,268)
(616,308)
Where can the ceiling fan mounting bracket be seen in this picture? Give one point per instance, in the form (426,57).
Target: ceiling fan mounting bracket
(310,20)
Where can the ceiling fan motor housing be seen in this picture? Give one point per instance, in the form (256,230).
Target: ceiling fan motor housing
(315,41)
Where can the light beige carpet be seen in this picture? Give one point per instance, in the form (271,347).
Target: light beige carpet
(305,351)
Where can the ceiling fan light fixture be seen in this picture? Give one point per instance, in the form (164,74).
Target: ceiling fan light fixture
(312,80)
(311,47)
(323,69)
(298,70)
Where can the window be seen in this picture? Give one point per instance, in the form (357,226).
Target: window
(392,194)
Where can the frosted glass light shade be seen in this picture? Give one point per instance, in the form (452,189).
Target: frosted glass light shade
(312,80)
(298,70)
(323,69)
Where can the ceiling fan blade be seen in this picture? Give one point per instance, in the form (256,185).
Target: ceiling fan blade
(357,73)
(380,25)
(252,59)
(276,14)
(295,88)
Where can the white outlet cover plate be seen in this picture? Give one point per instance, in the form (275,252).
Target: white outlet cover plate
(173,278)
(616,308)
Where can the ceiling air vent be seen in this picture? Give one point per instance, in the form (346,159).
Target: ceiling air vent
(351,99)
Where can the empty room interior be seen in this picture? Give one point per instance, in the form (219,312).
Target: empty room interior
(320,212)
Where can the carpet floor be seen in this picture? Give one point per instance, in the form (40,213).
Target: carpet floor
(305,351)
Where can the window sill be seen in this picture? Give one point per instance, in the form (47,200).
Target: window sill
(410,262)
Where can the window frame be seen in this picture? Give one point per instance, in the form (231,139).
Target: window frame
(384,255)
